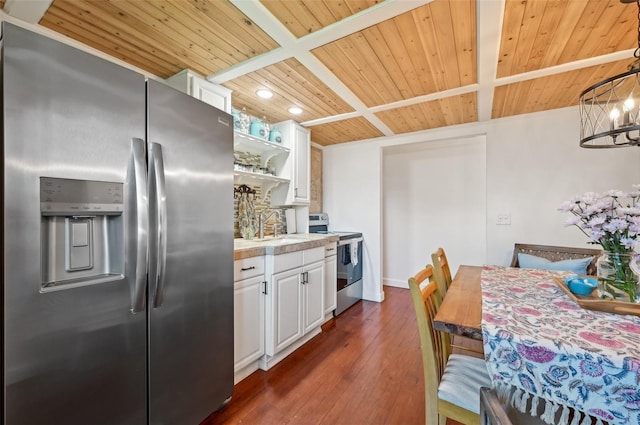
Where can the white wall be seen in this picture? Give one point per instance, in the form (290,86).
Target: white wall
(434,194)
(354,203)
(533,164)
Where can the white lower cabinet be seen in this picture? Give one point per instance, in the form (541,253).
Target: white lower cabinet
(248,315)
(295,301)
(313,296)
(330,280)
(285,300)
(279,304)
(248,321)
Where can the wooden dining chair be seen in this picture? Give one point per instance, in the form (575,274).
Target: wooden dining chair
(452,381)
(492,412)
(442,273)
(441,270)
(495,412)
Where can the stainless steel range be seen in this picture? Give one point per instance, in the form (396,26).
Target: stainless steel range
(349,282)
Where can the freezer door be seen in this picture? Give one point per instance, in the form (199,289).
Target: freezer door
(75,355)
(191,302)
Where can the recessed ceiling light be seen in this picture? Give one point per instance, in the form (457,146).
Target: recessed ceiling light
(264,93)
(295,110)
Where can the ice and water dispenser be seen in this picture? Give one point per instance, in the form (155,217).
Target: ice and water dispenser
(82,232)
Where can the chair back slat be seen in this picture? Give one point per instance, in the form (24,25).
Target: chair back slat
(436,346)
(442,271)
(436,349)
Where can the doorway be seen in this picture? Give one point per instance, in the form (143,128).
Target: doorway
(434,194)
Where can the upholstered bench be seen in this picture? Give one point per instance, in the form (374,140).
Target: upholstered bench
(557,253)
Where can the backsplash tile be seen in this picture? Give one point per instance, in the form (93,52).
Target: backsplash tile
(259,206)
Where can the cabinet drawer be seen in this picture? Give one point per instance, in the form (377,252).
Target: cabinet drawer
(314,254)
(330,249)
(248,267)
(287,261)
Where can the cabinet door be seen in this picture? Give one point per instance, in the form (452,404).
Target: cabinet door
(216,96)
(313,296)
(285,310)
(195,85)
(248,323)
(330,284)
(301,165)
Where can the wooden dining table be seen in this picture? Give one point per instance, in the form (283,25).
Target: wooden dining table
(540,345)
(461,310)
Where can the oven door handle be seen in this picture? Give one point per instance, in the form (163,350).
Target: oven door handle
(342,242)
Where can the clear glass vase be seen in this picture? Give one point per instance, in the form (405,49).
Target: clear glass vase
(617,279)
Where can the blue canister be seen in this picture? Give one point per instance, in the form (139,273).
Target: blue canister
(275,136)
(257,129)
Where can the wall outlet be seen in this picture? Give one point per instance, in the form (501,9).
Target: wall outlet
(504,219)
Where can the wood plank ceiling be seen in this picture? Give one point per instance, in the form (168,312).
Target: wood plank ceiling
(362,69)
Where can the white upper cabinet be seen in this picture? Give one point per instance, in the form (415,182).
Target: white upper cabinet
(296,166)
(302,165)
(197,86)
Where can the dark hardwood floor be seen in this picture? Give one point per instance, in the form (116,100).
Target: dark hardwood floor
(364,368)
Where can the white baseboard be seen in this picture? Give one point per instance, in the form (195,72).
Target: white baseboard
(396,283)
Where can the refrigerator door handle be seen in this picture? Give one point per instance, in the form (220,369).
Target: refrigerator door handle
(158,212)
(141,225)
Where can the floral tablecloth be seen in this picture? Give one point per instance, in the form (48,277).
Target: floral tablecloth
(544,351)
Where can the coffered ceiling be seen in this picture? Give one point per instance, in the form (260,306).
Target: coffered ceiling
(361,69)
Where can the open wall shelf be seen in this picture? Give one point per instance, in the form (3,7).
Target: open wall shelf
(255,145)
(265,181)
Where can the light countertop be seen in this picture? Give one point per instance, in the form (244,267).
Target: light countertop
(243,248)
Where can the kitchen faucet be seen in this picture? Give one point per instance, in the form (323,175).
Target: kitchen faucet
(262,220)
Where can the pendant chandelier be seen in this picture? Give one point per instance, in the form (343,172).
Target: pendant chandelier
(610,109)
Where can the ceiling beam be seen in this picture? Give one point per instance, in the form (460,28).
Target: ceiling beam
(30,11)
(292,46)
(426,98)
(327,77)
(332,118)
(373,15)
(489,17)
(566,67)
(301,48)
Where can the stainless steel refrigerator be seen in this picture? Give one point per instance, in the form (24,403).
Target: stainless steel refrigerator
(117,269)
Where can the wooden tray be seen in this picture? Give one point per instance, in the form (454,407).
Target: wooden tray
(592,302)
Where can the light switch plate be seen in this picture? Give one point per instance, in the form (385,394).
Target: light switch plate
(504,219)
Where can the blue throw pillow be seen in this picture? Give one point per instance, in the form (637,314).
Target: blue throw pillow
(577,266)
